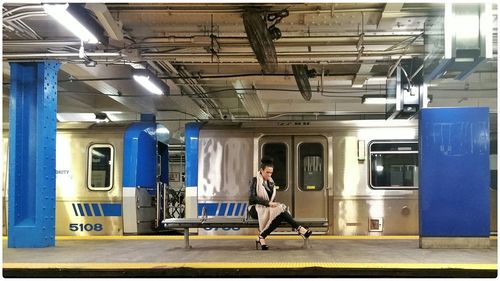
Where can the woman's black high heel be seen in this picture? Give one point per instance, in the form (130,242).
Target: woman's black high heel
(262,246)
(307,233)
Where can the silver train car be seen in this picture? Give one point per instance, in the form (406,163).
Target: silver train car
(361,176)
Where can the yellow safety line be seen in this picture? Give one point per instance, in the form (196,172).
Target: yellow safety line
(237,237)
(217,265)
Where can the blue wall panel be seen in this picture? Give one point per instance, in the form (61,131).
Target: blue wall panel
(32,150)
(454,172)
(139,156)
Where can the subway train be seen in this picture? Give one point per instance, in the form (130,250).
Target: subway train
(361,176)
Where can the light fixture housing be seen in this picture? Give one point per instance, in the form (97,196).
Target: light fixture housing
(376,99)
(101,117)
(75,18)
(150,82)
(82,117)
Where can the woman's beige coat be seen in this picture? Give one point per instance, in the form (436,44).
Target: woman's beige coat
(266,214)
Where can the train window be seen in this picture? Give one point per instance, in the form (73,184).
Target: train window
(278,151)
(100,167)
(311,175)
(394,165)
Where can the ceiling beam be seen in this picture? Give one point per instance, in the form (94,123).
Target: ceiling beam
(112,27)
(362,75)
(133,104)
(387,18)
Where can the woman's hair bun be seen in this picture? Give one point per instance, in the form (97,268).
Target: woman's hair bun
(266,160)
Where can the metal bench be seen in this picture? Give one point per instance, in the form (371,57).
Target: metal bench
(204,221)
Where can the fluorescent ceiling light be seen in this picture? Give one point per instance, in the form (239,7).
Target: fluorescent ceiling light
(60,13)
(367,99)
(150,82)
(148,85)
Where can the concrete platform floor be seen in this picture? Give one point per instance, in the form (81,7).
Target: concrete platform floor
(223,256)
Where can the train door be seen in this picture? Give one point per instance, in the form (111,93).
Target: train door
(280,149)
(299,172)
(310,179)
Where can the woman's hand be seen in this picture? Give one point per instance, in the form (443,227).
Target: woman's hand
(273,204)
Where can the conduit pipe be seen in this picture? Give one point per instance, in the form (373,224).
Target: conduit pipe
(27,7)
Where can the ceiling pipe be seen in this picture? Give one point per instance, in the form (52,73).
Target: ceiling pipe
(27,7)
(14,26)
(296,57)
(282,58)
(25,15)
(431,12)
(145,8)
(186,85)
(199,90)
(181,9)
(199,41)
(148,55)
(16,22)
(284,54)
(203,41)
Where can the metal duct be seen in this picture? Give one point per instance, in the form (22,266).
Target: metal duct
(249,98)
(260,41)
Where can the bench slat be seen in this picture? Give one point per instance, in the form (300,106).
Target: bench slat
(232,222)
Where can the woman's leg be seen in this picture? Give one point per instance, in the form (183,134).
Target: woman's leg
(274,224)
(302,231)
(285,216)
(288,218)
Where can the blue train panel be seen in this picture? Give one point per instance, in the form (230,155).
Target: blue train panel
(191,139)
(97,209)
(222,209)
(139,156)
(454,172)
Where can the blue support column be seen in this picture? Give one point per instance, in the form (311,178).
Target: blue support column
(454,178)
(192,134)
(32,148)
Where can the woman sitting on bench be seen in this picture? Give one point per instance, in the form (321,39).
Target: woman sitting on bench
(262,206)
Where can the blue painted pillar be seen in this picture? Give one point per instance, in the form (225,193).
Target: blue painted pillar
(32,148)
(454,177)
(192,134)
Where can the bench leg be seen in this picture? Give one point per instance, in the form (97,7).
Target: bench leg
(306,243)
(186,238)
